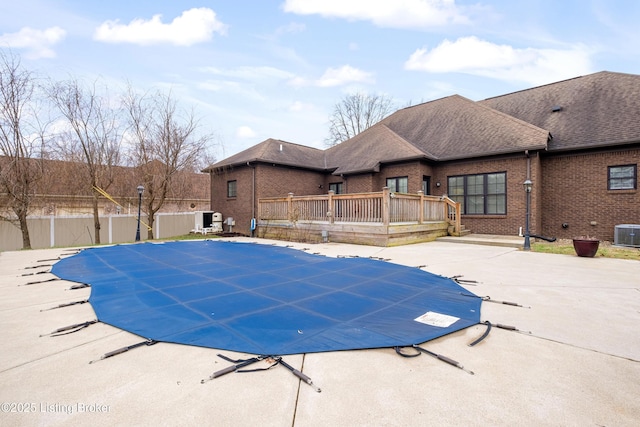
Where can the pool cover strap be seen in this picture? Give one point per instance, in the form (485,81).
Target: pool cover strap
(420,350)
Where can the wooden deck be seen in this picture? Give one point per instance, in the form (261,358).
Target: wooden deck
(381,218)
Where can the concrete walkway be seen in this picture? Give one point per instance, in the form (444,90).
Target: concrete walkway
(487,239)
(575,361)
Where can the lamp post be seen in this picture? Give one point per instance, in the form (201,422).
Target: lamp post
(527,188)
(140,191)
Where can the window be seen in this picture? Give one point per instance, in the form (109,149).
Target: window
(483,194)
(622,177)
(336,187)
(232,188)
(398,185)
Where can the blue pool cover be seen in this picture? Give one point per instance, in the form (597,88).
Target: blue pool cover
(264,299)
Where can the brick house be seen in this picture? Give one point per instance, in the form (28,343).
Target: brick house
(577,140)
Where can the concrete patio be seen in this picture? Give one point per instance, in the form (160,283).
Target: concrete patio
(575,361)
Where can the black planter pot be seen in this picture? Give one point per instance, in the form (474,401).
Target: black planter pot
(586,247)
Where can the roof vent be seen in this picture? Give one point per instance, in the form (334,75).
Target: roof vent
(280,147)
(556,108)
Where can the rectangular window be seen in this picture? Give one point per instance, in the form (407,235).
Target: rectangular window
(232,188)
(482,194)
(622,177)
(398,184)
(336,187)
(496,203)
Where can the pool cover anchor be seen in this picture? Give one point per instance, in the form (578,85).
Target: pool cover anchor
(420,350)
(241,363)
(514,304)
(37,272)
(488,299)
(298,374)
(460,281)
(512,328)
(68,304)
(69,329)
(124,350)
(41,281)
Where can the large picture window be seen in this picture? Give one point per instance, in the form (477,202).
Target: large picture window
(398,184)
(622,177)
(482,194)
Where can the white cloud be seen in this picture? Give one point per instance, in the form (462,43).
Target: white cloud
(36,42)
(344,75)
(471,55)
(384,13)
(193,26)
(245,132)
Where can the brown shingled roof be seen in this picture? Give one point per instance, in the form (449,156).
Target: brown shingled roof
(276,151)
(600,109)
(365,151)
(456,127)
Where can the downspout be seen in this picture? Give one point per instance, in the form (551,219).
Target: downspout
(253,195)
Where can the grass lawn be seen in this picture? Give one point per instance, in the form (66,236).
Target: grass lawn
(606,250)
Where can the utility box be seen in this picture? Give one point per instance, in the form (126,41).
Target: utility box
(627,235)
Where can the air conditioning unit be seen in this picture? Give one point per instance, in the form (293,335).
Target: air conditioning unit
(627,235)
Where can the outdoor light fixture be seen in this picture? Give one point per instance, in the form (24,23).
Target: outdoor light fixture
(140,191)
(527,188)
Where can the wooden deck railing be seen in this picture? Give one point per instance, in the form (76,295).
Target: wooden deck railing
(381,207)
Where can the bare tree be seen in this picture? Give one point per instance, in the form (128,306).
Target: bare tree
(164,142)
(355,113)
(94,137)
(21,142)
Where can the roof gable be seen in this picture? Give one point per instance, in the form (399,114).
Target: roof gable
(365,151)
(278,152)
(599,109)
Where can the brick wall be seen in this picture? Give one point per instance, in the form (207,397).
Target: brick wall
(415,171)
(270,181)
(568,189)
(515,168)
(362,183)
(575,193)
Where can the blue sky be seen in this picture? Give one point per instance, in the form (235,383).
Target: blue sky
(258,69)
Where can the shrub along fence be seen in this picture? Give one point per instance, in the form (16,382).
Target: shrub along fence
(50,231)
